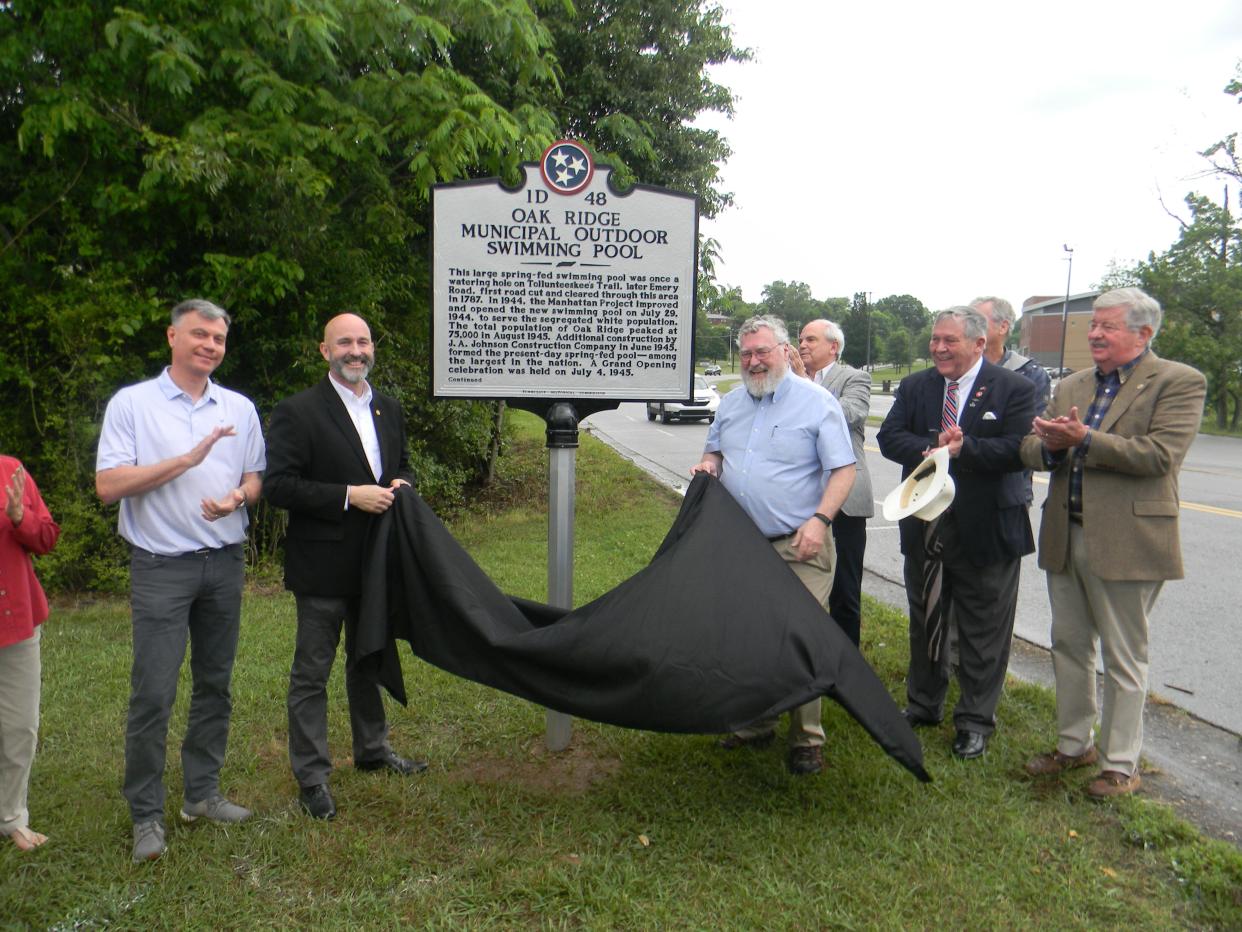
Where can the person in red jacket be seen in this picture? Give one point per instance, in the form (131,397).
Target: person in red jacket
(26,527)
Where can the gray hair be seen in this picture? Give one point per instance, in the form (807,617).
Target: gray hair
(1002,310)
(974,324)
(203,308)
(1142,310)
(754,324)
(832,332)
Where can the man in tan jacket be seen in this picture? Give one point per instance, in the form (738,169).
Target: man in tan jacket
(1114,438)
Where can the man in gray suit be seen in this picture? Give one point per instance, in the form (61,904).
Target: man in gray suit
(1001,319)
(1114,438)
(820,347)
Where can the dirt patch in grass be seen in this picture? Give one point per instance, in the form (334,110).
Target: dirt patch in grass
(572,771)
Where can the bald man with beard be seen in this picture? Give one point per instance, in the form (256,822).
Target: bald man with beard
(337,458)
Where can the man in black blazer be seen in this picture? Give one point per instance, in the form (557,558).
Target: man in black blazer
(981,412)
(336,457)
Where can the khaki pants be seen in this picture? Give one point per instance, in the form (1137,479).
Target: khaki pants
(1087,609)
(805,729)
(19,728)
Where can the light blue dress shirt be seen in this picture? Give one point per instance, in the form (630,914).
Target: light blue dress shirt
(154,421)
(779,449)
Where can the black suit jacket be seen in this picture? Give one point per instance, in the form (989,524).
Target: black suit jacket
(990,504)
(313,453)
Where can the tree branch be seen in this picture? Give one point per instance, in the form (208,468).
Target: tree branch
(10,241)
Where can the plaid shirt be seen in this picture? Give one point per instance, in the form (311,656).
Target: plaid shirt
(1106,388)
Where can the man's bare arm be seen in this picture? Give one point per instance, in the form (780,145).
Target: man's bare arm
(112,485)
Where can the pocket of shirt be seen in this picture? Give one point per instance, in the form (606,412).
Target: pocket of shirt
(793,445)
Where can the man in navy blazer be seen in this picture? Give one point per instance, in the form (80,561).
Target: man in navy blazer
(336,458)
(985,532)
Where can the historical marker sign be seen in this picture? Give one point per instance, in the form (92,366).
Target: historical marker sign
(563,288)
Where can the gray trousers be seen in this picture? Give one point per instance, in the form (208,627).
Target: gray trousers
(983,601)
(320,619)
(194,598)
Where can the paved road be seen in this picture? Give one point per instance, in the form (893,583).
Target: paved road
(1195,644)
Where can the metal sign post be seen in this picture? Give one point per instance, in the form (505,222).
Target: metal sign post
(563,296)
(562,460)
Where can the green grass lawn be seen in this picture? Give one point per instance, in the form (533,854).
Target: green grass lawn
(624,830)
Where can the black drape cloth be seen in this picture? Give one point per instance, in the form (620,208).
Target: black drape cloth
(714,633)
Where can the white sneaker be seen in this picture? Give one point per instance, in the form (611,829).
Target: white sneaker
(148,841)
(215,809)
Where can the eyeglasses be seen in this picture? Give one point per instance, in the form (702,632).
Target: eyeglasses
(762,352)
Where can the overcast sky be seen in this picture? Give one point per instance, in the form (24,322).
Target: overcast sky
(950,149)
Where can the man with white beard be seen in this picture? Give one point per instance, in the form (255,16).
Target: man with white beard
(782,448)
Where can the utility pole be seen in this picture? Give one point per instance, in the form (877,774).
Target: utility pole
(868,306)
(1065,308)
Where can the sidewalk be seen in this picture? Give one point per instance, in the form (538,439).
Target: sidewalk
(1193,766)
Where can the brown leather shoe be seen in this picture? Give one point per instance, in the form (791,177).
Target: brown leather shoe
(804,761)
(1112,783)
(1054,762)
(733,742)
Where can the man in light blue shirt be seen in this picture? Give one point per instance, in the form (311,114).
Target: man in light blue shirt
(782,448)
(184,458)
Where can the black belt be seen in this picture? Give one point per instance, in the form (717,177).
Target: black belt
(202,553)
(1077,519)
(781,537)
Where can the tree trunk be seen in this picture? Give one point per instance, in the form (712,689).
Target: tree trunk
(493,452)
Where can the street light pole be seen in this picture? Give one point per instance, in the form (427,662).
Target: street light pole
(1065,307)
(868,294)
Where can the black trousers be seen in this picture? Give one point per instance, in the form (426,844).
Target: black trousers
(320,620)
(983,600)
(845,600)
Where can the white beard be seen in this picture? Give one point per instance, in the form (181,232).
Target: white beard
(764,383)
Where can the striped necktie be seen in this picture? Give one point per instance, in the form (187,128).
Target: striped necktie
(948,417)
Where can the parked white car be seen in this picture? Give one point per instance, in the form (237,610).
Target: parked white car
(706,401)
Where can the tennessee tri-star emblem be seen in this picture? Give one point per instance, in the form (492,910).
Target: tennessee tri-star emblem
(566,167)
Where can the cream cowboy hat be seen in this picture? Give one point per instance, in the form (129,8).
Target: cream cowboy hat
(925,493)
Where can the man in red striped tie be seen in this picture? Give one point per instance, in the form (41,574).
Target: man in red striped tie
(971,557)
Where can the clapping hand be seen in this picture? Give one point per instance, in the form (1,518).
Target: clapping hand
(14,489)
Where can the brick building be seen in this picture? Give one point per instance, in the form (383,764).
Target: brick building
(1039,330)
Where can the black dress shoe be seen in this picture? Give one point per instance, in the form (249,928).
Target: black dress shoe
(318,802)
(918,721)
(969,744)
(393,762)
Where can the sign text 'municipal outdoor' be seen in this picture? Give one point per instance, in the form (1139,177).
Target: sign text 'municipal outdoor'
(563,288)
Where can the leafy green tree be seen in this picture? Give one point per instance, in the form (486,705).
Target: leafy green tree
(1198,281)
(792,302)
(907,311)
(635,76)
(899,348)
(277,156)
(867,329)
(1224,155)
